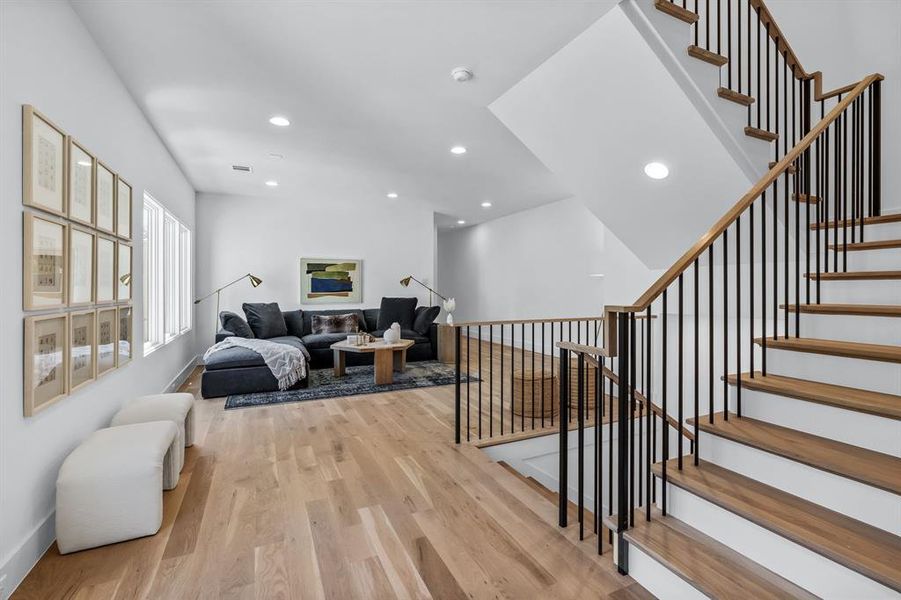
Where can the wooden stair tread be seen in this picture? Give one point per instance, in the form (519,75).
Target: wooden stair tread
(866,401)
(882,219)
(859,350)
(874,245)
(805,198)
(761,134)
(868,550)
(791,169)
(733,96)
(708,565)
(863,310)
(677,11)
(853,275)
(707,56)
(866,466)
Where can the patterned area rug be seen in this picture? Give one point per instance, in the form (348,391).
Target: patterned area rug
(357,381)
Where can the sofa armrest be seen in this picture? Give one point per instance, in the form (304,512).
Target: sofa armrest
(433,339)
(222,334)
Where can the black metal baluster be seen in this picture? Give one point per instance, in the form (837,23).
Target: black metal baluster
(737,316)
(563,479)
(542,375)
(726,323)
(710,317)
(457,350)
(468,355)
(501,408)
(522,369)
(680,376)
(481,377)
(553,388)
(877,148)
(763,285)
(491,381)
(751,294)
(631,408)
(664,428)
(649,481)
(696,377)
(580,387)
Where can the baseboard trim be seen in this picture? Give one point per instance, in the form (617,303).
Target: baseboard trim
(22,560)
(182,376)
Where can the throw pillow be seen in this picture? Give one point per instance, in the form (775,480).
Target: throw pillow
(348,323)
(397,310)
(425,316)
(294,322)
(266,320)
(234,323)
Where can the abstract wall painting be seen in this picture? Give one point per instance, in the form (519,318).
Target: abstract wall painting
(331,281)
(43,161)
(46,352)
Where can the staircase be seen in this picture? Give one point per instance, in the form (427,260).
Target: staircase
(775,355)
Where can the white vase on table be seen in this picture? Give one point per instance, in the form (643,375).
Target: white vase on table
(449,306)
(392,334)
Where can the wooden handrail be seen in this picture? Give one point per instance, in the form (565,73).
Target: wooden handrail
(681,265)
(522,321)
(766,18)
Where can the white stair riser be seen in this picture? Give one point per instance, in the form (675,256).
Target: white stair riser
(875,433)
(657,579)
(806,568)
(851,372)
(857,500)
(871,232)
(851,328)
(858,291)
(888,259)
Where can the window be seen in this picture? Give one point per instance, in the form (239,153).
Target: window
(167,276)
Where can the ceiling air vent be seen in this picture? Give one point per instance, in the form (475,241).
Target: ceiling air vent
(242,168)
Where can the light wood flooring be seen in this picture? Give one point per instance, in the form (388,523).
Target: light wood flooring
(362,497)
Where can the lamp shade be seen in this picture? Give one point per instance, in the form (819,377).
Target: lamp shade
(255,281)
(406,280)
(125,279)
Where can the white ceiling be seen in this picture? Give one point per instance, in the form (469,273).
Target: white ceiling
(366,86)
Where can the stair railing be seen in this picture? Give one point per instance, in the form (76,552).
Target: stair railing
(759,68)
(718,309)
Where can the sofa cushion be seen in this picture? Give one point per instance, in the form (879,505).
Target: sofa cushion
(265,319)
(425,316)
(346,323)
(405,334)
(308,317)
(294,322)
(397,310)
(236,357)
(371,315)
(321,341)
(234,323)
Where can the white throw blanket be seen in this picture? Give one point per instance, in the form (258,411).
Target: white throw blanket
(287,363)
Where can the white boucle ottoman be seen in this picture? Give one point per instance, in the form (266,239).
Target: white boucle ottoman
(110,488)
(178,408)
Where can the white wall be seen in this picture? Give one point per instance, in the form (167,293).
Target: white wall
(49,60)
(536,264)
(848,41)
(268,237)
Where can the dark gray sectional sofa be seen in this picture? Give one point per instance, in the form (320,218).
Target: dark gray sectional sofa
(242,371)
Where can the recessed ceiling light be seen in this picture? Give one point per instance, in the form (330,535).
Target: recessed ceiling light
(458,150)
(279,121)
(656,170)
(84,163)
(272,183)
(461,222)
(486,205)
(391,194)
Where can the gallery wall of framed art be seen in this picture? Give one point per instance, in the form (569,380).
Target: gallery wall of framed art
(76,263)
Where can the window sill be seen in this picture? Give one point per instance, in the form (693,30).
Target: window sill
(148,350)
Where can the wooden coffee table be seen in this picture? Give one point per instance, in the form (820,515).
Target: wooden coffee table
(388,357)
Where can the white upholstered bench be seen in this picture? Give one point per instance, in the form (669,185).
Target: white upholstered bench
(110,488)
(178,408)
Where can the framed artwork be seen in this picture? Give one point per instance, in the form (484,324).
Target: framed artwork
(81,184)
(330,281)
(46,359)
(44,262)
(105,288)
(105,202)
(125,335)
(123,208)
(43,163)
(82,247)
(123,272)
(107,340)
(82,348)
